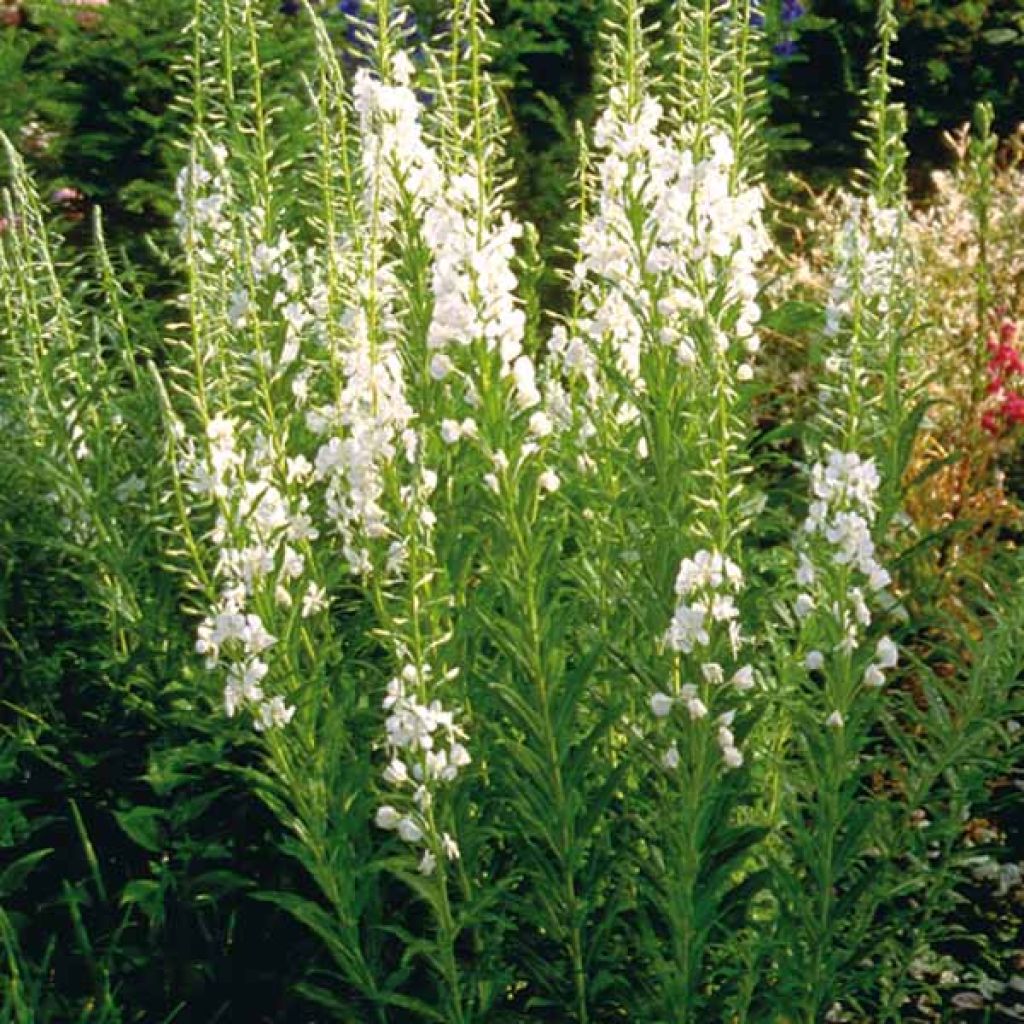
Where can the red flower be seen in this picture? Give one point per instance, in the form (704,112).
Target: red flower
(1013,407)
(1006,363)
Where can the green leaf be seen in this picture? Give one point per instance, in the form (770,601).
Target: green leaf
(13,876)
(143,825)
(147,894)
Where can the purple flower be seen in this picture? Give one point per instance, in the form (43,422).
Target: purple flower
(792,10)
(789,12)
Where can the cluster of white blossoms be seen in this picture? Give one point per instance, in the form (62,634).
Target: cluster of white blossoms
(365,430)
(706,589)
(260,530)
(373,461)
(425,750)
(472,248)
(839,543)
(398,162)
(204,198)
(690,268)
(870,260)
(261,278)
(870,255)
(369,424)
(259,533)
(705,586)
(295,296)
(731,753)
(474,285)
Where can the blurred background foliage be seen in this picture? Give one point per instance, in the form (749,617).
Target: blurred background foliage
(954,55)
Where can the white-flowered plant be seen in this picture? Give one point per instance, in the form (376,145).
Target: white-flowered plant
(839,574)
(667,259)
(568,694)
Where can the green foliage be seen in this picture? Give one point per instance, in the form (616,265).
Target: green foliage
(95,111)
(953,56)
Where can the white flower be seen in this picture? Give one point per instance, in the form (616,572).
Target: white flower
(540,424)
(803,605)
(451,431)
(732,756)
(436,763)
(723,608)
(450,847)
(273,714)
(860,608)
(835,720)
(402,68)
(220,431)
(314,600)
(712,673)
(428,863)
(743,678)
(440,366)
(233,698)
(887,653)
(387,817)
(255,637)
(874,677)
(409,831)
(661,704)
(696,708)
(805,574)
(815,661)
(396,772)
(246,678)
(687,628)
(458,755)
(670,759)
(879,578)
(549,481)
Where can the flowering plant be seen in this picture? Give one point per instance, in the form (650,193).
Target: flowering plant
(1005,366)
(562,697)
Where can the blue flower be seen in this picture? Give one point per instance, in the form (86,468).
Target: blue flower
(792,10)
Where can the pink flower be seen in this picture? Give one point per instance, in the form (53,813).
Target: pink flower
(68,194)
(1013,407)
